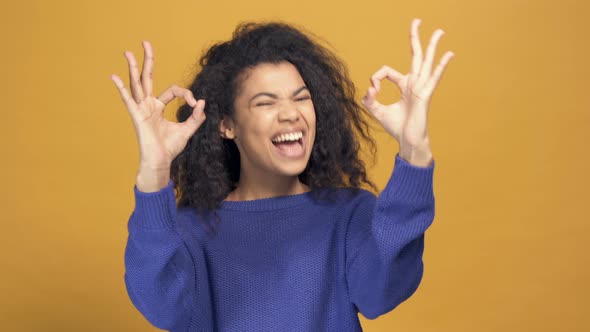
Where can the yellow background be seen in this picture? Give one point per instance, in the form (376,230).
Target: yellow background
(509,126)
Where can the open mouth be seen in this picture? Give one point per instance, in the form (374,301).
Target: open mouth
(290,144)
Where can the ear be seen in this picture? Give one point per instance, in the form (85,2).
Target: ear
(226,128)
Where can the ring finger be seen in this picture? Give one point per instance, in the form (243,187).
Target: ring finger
(134,82)
(425,71)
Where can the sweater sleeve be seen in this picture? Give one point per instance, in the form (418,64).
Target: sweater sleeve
(385,240)
(159,271)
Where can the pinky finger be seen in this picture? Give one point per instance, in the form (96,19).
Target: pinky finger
(127,99)
(439,70)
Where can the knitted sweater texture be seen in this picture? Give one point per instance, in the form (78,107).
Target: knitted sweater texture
(291,263)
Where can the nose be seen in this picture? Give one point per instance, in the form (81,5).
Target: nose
(288,112)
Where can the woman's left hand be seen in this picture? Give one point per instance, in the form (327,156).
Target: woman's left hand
(406,120)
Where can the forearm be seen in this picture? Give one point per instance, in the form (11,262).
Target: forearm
(158,276)
(159,271)
(386,269)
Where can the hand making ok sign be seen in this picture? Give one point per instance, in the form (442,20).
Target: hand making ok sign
(406,120)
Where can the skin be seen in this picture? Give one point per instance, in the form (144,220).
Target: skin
(272,98)
(406,120)
(264,174)
(160,140)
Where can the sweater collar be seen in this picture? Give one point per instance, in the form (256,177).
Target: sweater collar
(268,204)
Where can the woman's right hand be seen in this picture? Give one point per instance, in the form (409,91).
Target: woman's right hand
(160,140)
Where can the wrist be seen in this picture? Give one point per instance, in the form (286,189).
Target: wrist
(417,155)
(152,179)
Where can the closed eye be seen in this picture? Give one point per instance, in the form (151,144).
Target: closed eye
(264,104)
(303,98)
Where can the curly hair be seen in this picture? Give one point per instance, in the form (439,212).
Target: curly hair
(208,169)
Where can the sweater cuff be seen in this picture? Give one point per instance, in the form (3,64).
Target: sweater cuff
(411,183)
(155,209)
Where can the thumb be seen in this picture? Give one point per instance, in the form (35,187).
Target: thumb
(370,100)
(196,119)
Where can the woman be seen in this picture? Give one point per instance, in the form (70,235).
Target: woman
(265,154)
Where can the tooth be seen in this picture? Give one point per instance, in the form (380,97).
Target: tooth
(288,137)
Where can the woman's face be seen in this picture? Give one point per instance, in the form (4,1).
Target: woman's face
(274,120)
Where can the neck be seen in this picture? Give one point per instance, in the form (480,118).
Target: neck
(266,186)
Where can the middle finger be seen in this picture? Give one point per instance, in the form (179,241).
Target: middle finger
(429,58)
(148,68)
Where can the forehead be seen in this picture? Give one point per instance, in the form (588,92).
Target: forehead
(270,77)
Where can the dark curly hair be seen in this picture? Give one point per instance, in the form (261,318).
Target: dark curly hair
(208,168)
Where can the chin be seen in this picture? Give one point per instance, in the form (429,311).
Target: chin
(292,168)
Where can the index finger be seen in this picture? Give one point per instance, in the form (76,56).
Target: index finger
(175,91)
(386,72)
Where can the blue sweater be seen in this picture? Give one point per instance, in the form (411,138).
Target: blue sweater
(291,263)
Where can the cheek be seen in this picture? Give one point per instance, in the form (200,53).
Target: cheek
(310,118)
(255,132)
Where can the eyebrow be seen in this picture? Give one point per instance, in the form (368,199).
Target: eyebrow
(272,95)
